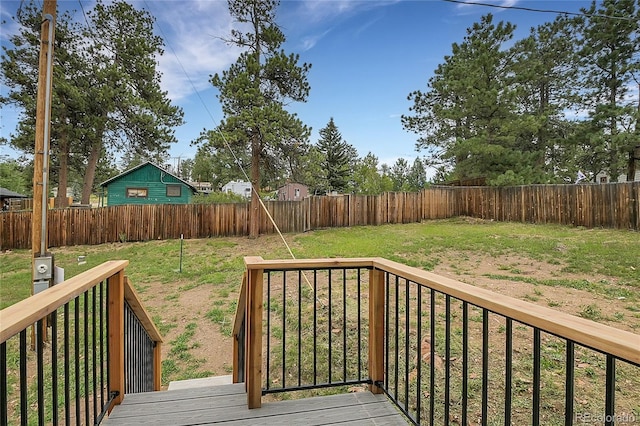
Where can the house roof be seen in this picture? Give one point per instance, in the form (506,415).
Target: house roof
(5,193)
(139,166)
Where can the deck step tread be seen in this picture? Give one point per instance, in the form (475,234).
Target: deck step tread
(227,404)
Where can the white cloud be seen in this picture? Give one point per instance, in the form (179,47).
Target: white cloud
(314,19)
(308,42)
(194,45)
(469,7)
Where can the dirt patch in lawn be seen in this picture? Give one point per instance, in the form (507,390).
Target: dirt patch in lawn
(593,296)
(211,306)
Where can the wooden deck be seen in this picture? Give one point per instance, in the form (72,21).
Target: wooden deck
(227,404)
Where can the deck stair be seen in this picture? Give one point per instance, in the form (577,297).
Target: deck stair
(214,401)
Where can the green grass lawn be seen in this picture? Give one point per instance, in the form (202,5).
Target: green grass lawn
(547,260)
(593,273)
(613,255)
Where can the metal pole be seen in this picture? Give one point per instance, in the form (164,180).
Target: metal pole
(181,241)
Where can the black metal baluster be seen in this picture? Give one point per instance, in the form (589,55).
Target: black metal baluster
(397,344)
(315,327)
(508,371)
(3,385)
(102,342)
(284,328)
(268,385)
(610,389)
(407,332)
(536,376)
(329,328)
(128,352)
(54,367)
(344,325)
(23,377)
(67,374)
(432,357)
(569,384)
(131,352)
(359,327)
(40,369)
(419,358)
(447,351)
(485,365)
(87,411)
(76,350)
(387,309)
(465,362)
(94,368)
(127,365)
(299,328)
(109,390)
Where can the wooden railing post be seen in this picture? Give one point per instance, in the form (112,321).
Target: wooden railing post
(157,367)
(115,308)
(254,338)
(376,328)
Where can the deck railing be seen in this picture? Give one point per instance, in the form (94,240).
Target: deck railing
(443,351)
(93,343)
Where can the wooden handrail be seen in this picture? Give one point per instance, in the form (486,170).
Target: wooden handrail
(21,315)
(240,307)
(619,343)
(257,262)
(131,296)
(238,324)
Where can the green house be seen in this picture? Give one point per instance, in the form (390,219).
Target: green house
(146,184)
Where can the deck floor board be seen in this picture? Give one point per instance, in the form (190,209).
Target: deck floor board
(227,404)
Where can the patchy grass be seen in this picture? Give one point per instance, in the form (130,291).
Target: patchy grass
(544,259)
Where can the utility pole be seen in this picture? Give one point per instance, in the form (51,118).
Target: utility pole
(42,271)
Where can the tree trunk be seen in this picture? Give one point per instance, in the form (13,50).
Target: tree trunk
(631,171)
(254,214)
(634,154)
(90,175)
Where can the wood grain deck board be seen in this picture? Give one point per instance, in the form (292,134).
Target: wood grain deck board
(227,405)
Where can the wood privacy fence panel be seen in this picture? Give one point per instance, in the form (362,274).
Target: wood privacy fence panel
(591,205)
(615,205)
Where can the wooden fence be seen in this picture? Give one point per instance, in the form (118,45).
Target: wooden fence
(591,205)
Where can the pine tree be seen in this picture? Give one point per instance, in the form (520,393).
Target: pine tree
(106,89)
(337,158)
(417,178)
(470,105)
(610,42)
(254,91)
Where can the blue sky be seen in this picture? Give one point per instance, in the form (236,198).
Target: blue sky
(366,57)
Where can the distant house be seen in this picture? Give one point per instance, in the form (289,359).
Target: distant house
(603,177)
(240,188)
(6,196)
(292,192)
(203,187)
(147,183)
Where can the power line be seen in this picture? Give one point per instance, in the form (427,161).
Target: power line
(531,9)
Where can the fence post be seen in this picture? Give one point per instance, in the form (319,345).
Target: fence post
(254,339)
(376,328)
(115,301)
